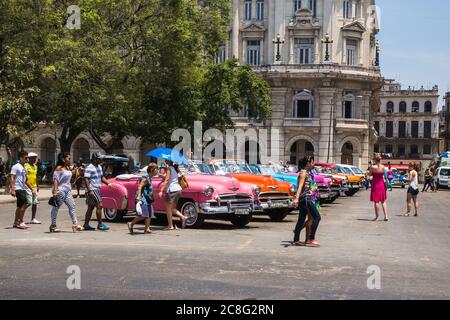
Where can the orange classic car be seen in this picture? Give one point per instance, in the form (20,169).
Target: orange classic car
(275,198)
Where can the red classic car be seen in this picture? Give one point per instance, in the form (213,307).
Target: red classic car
(207,197)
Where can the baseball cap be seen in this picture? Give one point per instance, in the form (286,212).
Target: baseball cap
(32,155)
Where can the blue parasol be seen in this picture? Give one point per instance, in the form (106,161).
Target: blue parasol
(168,154)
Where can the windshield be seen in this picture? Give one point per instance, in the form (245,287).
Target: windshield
(198,167)
(231,166)
(269,170)
(445,172)
(344,170)
(357,170)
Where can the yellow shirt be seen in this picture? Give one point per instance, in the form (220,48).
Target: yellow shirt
(32,175)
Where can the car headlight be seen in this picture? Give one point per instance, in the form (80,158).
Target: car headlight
(257,190)
(292,188)
(209,191)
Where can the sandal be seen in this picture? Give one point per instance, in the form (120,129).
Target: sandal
(169,229)
(130,228)
(298,244)
(22,226)
(148,231)
(77,228)
(312,243)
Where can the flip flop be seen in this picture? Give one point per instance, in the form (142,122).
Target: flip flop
(169,229)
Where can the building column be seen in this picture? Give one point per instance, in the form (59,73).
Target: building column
(327,117)
(235,30)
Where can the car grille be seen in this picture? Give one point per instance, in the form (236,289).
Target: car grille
(235,200)
(265,196)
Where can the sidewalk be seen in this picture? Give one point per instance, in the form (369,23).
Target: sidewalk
(45,193)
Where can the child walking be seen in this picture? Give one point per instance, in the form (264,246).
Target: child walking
(144,199)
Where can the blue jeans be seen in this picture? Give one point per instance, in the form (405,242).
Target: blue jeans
(306,206)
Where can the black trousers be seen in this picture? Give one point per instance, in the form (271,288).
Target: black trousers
(306,206)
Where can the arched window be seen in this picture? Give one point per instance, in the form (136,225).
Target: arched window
(415,106)
(402,107)
(428,107)
(348,106)
(390,107)
(303,105)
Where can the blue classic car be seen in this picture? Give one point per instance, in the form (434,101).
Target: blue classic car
(275,171)
(399,178)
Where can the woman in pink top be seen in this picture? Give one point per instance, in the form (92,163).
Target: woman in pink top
(378,192)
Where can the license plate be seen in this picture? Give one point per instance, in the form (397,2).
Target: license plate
(242,212)
(278,204)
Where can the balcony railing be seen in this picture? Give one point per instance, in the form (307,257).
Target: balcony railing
(331,67)
(352,124)
(302,122)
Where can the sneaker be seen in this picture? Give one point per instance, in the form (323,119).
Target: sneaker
(102,227)
(88,228)
(35,221)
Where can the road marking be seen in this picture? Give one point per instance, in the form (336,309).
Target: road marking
(246,244)
(36,239)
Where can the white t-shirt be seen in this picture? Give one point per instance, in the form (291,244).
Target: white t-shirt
(20,172)
(173,185)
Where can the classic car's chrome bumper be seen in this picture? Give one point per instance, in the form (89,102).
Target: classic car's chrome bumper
(354,186)
(274,204)
(206,208)
(325,195)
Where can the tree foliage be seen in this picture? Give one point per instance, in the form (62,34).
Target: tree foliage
(136,67)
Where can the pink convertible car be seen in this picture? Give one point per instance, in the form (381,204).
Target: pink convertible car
(208,197)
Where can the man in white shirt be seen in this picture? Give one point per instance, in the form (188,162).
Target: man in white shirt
(19,183)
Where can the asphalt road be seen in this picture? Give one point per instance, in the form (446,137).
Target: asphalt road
(221,262)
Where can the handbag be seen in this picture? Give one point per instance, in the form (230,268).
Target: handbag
(52,202)
(183,182)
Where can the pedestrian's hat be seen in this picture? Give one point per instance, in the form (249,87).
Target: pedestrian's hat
(32,155)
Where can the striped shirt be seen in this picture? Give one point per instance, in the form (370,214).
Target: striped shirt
(94,174)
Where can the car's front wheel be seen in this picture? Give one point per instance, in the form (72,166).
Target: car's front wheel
(193,218)
(278,215)
(114,215)
(241,221)
(350,193)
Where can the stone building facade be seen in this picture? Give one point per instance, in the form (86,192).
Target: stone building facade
(408,122)
(446,116)
(320,106)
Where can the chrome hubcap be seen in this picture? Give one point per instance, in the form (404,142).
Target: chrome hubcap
(190,212)
(110,213)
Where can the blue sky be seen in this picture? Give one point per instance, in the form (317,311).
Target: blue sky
(415,42)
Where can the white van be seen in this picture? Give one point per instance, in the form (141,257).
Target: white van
(443,177)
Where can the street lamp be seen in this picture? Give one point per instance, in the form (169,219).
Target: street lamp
(327,41)
(278,42)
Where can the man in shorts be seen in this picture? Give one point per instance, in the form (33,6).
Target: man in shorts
(93,178)
(32,179)
(18,181)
